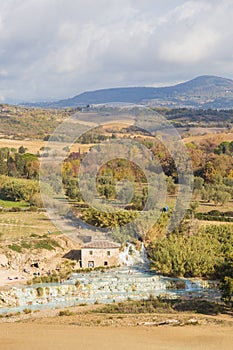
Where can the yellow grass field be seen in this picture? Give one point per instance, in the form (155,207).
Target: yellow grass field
(34,146)
(215,137)
(205,207)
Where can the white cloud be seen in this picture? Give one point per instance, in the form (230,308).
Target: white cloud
(3,73)
(192,47)
(58,48)
(190,10)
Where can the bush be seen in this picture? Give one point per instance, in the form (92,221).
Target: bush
(200,255)
(40,291)
(66,313)
(227,291)
(77,284)
(15,209)
(27,311)
(48,244)
(26,245)
(18,189)
(151,305)
(15,247)
(35,201)
(215,215)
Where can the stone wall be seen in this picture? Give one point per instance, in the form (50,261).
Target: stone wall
(100,257)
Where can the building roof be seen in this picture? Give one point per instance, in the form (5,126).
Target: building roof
(101,244)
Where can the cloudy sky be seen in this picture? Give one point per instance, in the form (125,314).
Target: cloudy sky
(52,49)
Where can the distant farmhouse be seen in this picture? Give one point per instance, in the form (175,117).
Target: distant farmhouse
(100,253)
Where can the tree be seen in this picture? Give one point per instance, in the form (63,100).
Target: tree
(19,164)
(222,197)
(108,191)
(209,172)
(126,192)
(208,192)
(209,253)
(3,163)
(36,201)
(226,288)
(22,149)
(108,219)
(193,208)
(18,189)
(72,190)
(171,187)
(198,183)
(106,185)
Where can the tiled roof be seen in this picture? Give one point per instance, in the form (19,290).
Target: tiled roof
(101,245)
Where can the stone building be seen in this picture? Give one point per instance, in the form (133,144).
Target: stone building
(100,253)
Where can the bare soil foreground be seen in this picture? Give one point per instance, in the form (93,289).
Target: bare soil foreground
(88,327)
(50,337)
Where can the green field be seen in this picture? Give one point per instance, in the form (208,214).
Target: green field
(11,204)
(16,225)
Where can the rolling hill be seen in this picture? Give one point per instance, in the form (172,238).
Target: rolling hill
(202,92)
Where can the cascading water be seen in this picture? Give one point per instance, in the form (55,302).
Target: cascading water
(133,280)
(144,255)
(130,256)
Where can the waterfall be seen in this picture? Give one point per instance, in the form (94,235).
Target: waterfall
(144,255)
(130,256)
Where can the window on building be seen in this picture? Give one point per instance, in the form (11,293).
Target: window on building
(108,253)
(105,263)
(91,252)
(91,264)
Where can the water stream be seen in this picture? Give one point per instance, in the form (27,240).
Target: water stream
(116,285)
(134,280)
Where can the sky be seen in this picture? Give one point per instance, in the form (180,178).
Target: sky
(54,49)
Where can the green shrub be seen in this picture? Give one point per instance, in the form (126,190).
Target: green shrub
(199,255)
(55,279)
(66,313)
(36,280)
(48,244)
(77,284)
(26,245)
(27,311)
(15,247)
(40,291)
(151,305)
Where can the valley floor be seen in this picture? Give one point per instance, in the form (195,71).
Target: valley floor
(84,329)
(34,336)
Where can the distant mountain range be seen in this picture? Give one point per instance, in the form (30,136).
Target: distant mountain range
(202,92)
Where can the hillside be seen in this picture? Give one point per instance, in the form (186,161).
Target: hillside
(201,92)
